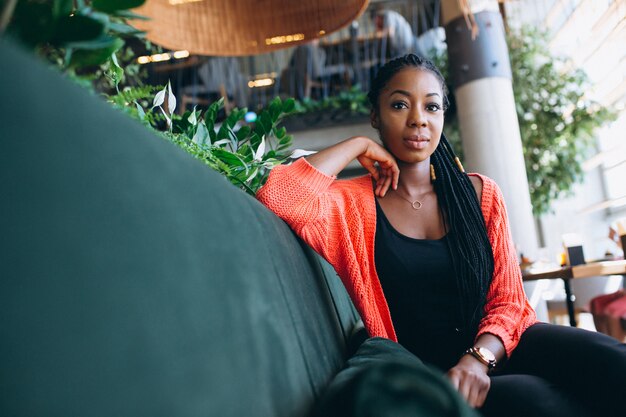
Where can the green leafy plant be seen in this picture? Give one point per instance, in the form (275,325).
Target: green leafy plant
(557,121)
(353,100)
(83,38)
(243,153)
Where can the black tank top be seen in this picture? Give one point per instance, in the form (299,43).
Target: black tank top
(418,280)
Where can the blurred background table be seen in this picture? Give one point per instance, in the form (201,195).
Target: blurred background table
(567,273)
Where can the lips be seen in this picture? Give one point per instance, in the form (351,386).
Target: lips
(416,141)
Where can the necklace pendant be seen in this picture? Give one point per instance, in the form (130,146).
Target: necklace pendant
(419,205)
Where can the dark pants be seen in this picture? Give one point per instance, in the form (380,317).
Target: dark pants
(560,371)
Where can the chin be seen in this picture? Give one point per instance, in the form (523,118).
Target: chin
(411,159)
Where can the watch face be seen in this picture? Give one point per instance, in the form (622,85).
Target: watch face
(487,354)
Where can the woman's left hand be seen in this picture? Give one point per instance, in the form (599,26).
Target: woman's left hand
(470,378)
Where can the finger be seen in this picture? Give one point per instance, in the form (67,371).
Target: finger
(379,185)
(472,395)
(383,185)
(454,380)
(386,184)
(391,164)
(464,390)
(373,169)
(380,182)
(396,176)
(482,396)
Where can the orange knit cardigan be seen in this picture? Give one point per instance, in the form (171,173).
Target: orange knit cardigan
(337,218)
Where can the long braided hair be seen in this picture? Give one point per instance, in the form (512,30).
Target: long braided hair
(469,244)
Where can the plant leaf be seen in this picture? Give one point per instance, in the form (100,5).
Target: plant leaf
(62,8)
(275,109)
(242,133)
(140,111)
(167,118)
(230,158)
(260,151)
(254,174)
(99,43)
(77,28)
(221,142)
(280,133)
(289,105)
(171,99)
(159,99)
(116,71)
(201,134)
(193,119)
(110,6)
(126,14)
(125,29)
(85,57)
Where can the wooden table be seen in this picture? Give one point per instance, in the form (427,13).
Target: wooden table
(568,273)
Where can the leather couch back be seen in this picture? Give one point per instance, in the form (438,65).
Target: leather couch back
(135,281)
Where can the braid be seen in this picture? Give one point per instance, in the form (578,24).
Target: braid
(469,244)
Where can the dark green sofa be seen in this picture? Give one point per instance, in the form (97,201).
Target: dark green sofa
(135,281)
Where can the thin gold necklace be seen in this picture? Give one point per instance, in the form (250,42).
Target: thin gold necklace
(413,203)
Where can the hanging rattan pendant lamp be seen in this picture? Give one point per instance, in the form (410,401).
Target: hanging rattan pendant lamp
(243,27)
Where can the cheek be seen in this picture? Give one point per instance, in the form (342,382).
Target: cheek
(386,133)
(438,123)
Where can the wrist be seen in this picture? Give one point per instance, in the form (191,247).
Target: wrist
(470,362)
(361,142)
(482,355)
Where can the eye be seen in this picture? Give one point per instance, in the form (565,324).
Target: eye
(399,105)
(433,107)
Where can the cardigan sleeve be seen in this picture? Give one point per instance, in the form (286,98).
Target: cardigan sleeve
(507,310)
(295,192)
(312,203)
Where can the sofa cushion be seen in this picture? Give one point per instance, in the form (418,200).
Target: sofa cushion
(384,379)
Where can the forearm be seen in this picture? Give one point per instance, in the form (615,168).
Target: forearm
(332,160)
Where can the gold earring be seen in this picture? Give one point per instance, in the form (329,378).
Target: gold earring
(459,164)
(433,177)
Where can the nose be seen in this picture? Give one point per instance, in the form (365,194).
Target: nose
(417,117)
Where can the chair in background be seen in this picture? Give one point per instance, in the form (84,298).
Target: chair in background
(585,290)
(219,77)
(609,314)
(308,71)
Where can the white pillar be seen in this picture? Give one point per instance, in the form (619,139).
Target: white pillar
(492,145)
(486,110)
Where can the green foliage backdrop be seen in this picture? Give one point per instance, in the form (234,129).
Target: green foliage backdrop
(557,122)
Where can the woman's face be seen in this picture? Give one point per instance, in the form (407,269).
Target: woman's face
(410,115)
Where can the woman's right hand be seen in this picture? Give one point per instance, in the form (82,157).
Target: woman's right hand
(382,165)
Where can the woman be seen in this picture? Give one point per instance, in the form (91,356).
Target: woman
(425,253)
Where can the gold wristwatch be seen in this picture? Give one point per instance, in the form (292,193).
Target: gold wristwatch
(484,355)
